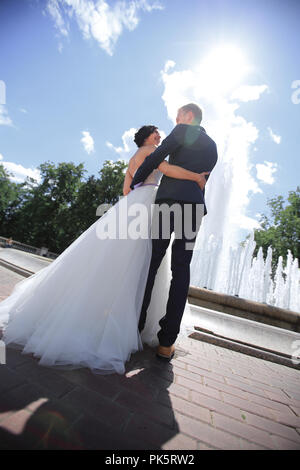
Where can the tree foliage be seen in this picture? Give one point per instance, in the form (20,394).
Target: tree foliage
(281,230)
(55,211)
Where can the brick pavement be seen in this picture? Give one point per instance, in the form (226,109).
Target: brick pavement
(207,397)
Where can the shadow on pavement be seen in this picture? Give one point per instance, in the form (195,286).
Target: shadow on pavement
(45,408)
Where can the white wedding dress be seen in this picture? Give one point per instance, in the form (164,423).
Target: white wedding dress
(83,309)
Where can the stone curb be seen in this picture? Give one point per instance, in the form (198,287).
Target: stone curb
(245,308)
(244,348)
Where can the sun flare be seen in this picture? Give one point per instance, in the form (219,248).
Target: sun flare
(222,69)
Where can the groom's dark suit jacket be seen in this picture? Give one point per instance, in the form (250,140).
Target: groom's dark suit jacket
(188,147)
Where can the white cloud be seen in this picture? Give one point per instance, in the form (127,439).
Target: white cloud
(99,20)
(231,184)
(87,141)
(274,137)
(169,65)
(53,8)
(248,92)
(265,171)
(5,120)
(23,110)
(129,147)
(20,172)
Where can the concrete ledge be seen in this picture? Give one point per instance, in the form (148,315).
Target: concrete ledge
(249,309)
(15,268)
(244,348)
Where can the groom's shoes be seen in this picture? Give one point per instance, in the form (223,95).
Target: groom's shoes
(166,353)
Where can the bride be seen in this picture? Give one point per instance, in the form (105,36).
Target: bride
(82,310)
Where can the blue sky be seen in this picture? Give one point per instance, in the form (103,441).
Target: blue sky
(80,76)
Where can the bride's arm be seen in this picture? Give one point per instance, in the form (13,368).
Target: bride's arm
(134,163)
(127,182)
(174,171)
(129,176)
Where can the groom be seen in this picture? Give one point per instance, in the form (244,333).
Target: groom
(190,147)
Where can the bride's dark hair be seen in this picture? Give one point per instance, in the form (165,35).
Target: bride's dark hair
(141,135)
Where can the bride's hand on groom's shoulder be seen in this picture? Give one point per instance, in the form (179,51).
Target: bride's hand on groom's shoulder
(201,180)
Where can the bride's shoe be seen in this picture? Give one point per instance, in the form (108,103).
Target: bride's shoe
(164,352)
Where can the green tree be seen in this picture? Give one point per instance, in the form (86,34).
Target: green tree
(11,197)
(111,181)
(281,230)
(55,211)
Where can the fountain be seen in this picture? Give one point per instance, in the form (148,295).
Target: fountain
(234,271)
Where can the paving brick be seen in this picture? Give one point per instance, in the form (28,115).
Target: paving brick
(15,358)
(248,386)
(205,373)
(202,446)
(253,397)
(146,408)
(188,375)
(210,435)
(281,397)
(165,371)
(102,409)
(189,360)
(154,435)
(149,378)
(284,444)
(292,393)
(235,386)
(176,390)
(207,397)
(9,379)
(204,364)
(185,407)
(289,420)
(246,445)
(242,429)
(48,428)
(271,381)
(94,382)
(22,396)
(133,384)
(57,386)
(67,414)
(249,406)
(32,371)
(295,409)
(9,441)
(90,434)
(272,414)
(215,405)
(180,442)
(176,362)
(198,387)
(270,426)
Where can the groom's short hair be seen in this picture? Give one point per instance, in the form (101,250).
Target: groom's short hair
(195,109)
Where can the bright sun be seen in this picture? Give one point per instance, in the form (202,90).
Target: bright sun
(222,69)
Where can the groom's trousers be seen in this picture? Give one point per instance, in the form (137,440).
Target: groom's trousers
(185,227)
